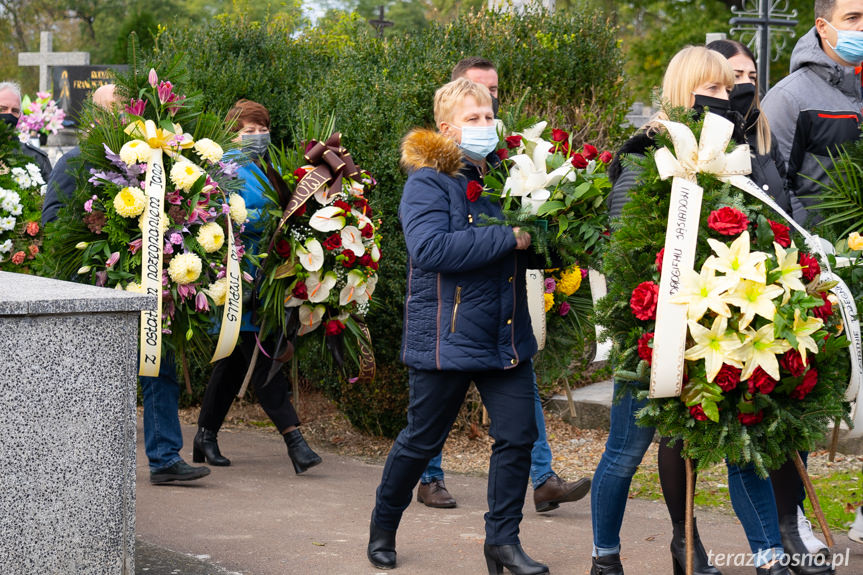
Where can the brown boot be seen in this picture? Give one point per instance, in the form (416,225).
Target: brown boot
(555,491)
(434,494)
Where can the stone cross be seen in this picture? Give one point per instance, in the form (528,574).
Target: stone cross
(45,58)
(761,19)
(380,23)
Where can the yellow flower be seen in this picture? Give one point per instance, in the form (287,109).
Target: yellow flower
(184,174)
(209,150)
(549,301)
(211,237)
(855,241)
(735,261)
(803,331)
(238,209)
(754,298)
(218,290)
(702,292)
(135,151)
(130,202)
(715,345)
(760,350)
(134,287)
(569,281)
(185,268)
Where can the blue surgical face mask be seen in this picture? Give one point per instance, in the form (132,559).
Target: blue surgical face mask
(477,142)
(849,45)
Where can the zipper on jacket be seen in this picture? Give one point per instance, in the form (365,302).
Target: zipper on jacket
(455,308)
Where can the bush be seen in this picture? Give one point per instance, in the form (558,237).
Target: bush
(569,65)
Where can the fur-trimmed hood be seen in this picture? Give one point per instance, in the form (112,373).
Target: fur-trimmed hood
(424,148)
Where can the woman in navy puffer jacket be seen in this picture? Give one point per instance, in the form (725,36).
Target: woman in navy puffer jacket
(466,319)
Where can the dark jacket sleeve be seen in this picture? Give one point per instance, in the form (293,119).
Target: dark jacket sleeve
(431,242)
(61,186)
(620,190)
(40,158)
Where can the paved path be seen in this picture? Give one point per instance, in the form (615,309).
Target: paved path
(258,518)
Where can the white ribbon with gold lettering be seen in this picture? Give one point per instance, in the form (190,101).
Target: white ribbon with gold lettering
(233,313)
(706,156)
(152,245)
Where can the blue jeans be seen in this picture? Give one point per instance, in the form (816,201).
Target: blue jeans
(163,437)
(540,455)
(753,502)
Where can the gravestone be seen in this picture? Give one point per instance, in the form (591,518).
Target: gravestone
(74,84)
(45,58)
(68,365)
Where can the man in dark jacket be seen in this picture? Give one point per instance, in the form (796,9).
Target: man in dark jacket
(818,106)
(10,112)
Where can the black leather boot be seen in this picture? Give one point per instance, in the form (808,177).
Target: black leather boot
(382,547)
(607,565)
(299,451)
(700,564)
(776,569)
(513,558)
(206,447)
(802,562)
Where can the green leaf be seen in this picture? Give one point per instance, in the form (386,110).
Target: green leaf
(549,207)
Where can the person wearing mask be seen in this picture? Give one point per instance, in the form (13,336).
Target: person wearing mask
(10,113)
(798,540)
(549,490)
(465,320)
(700,79)
(251,122)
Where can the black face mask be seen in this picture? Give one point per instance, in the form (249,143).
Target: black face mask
(9,119)
(742,100)
(720,108)
(495,104)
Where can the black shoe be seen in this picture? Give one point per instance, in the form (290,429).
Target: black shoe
(513,558)
(299,451)
(776,569)
(206,447)
(607,565)
(802,562)
(180,471)
(382,547)
(700,563)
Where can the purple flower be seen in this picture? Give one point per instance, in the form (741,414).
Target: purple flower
(169,249)
(88,205)
(152,78)
(550,284)
(164,277)
(174,197)
(176,239)
(241,251)
(201,303)
(583,273)
(229,169)
(186,291)
(179,100)
(564,309)
(136,107)
(101,278)
(248,277)
(135,245)
(112,260)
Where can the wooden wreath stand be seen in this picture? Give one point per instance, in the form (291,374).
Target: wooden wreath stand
(690,506)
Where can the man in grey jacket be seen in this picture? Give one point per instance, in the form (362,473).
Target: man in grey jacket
(818,106)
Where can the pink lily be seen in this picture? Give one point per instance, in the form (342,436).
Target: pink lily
(135,245)
(201,303)
(165,91)
(112,259)
(185,291)
(136,107)
(152,78)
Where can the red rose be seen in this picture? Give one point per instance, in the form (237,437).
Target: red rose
(810,266)
(333,242)
(334,327)
(18,258)
(474,190)
(350,258)
(606,157)
(762,381)
(578,161)
(283,248)
(792,362)
(590,152)
(645,351)
(513,141)
(750,418)
(825,310)
(659,256)
(780,233)
(300,291)
(32,228)
(346,207)
(364,260)
(727,221)
(503,153)
(299,211)
(807,385)
(728,377)
(698,413)
(368,231)
(299,173)
(559,135)
(643,300)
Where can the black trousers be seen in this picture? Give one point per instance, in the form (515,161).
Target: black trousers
(227,378)
(435,399)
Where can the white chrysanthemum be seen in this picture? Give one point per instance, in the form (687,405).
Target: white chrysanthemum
(6,224)
(209,150)
(185,268)
(35,174)
(21,177)
(130,202)
(135,151)
(184,174)
(6,247)
(218,290)
(211,237)
(163,221)
(11,203)
(239,215)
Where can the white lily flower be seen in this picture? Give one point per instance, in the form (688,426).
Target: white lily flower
(328,219)
(311,255)
(351,290)
(352,240)
(310,318)
(319,288)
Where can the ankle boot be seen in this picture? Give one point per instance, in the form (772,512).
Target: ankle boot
(802,562)
(382,547)
(206,447)
(700,564)
(776,569)
(513,558)
(606,565)
(299,451)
